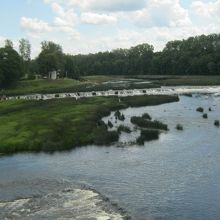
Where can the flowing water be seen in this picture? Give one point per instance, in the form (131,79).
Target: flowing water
(175,177)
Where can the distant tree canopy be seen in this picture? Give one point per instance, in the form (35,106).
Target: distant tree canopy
(195,56)
(198,55)
(25,53)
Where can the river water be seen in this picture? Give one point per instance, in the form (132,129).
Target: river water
(175,177)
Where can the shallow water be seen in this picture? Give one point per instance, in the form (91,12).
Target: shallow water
(176,177)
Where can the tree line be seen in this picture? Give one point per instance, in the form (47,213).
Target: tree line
(198,55)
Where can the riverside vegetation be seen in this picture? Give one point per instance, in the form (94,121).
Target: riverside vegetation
(150,130)
(63,124)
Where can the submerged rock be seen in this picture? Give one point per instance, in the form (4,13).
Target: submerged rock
(179,127)
(205,116)
(217,123)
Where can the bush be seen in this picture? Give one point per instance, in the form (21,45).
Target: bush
(179,127)
(200,109)
(147,135)
(123,128)
(104,137)
(102,124)
(139,121)
(119,116)
(110,125)
(146,116)
(210,109)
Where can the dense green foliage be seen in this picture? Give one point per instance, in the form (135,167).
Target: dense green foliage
(123,128)
(195,56)
(10,66)
(147,135)
(50,58)
(61,124)
(143,123)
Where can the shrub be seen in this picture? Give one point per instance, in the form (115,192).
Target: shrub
(146,116)
(139,121)
(101,124)
(200,109)
(119,116)
(205,115)
(179,127)
(210,109)
(104,137)
(147,135)
(110,125)
(123,128)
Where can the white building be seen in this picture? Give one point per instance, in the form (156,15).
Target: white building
(53,75)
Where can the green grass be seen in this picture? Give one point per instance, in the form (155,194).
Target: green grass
(85,84)
(61,124)
(99,78)
(42,86)
(189,81)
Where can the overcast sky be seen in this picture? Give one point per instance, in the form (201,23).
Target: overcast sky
(87,26)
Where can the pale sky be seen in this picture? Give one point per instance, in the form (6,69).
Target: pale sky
(88,26)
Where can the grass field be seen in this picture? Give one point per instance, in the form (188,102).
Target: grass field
(183,80)
(62,124)
(42,86)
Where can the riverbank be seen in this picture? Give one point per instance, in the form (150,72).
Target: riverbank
(85,84)
(62,124)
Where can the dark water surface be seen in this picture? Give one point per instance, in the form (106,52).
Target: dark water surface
(176,177)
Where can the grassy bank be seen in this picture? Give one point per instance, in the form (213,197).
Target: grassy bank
(188,80)
(192,81)
(62,124)
(85,84)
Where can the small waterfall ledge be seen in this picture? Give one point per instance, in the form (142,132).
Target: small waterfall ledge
(180,90)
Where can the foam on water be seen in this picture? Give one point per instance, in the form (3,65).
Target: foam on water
(66,204)
(176,90)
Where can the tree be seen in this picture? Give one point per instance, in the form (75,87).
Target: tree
(8,43)
(25,49)
(70,69)
(50,58)
(10,66)
(25,52)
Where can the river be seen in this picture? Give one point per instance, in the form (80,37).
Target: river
(175,177)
